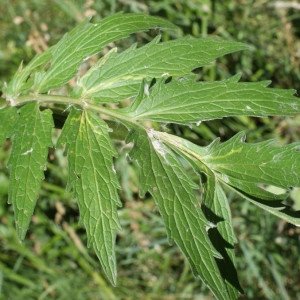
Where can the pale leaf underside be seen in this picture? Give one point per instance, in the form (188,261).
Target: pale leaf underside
(92,177)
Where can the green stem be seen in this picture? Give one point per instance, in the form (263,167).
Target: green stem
(85,104)
(169,139)
(182,147)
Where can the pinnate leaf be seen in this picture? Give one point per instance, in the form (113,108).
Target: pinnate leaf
(118,76)
(31,139)
(94,182)
(164,177)
(159,76)
(185,101)
(88,39)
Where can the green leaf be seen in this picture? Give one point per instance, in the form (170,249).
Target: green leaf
(118,76)
(260,163)
(31,139)
(160,77)
(18,83)
(185,101)
(88,39)
(275,207)
(247,168)
(164,177)
(94,182)
(216,210)
(8,117)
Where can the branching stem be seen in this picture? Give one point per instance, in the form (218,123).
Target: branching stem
(85,104)
(169,139)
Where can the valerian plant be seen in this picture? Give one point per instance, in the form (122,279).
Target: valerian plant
(159,81)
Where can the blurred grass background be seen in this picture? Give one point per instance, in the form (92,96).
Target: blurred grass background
(54,262)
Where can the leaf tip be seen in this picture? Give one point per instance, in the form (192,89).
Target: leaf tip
(21,231)
(235,78)
(110,271)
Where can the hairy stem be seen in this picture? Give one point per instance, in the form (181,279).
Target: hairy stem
(85,104)
(168,139)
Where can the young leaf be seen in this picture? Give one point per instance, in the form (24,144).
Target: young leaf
(31,139)
(8,117)
(18,82)
(92,177)
(164,177)
(186,101)
(118,76)
(88,39)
